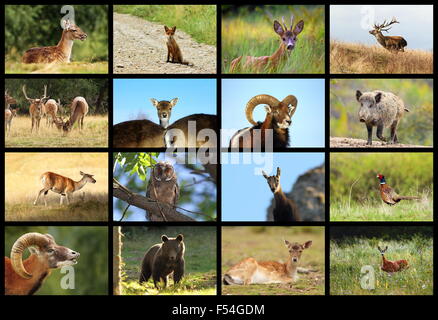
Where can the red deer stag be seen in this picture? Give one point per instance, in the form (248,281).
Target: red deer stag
(391,43)
(61,52)
(35,108)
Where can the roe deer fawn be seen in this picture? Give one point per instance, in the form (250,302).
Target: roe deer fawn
(288,39)
(251,271)
(174,53)
(395,43)
(59,53)
(392,266)
(62,185)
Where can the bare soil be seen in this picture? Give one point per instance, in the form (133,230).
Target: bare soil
(140,47)
(338,142)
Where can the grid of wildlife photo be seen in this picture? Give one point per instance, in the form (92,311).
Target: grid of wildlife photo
(213,150)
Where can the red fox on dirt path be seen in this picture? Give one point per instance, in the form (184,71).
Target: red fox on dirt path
(174,54)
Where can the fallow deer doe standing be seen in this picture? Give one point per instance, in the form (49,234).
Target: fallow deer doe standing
(79,109)
(251,271)
(62,51)
(35,108)
(395,43)
(392,266)
(62,185)
(50,109)
(9,113)
(288,39)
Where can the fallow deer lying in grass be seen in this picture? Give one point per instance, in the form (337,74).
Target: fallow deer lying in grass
(35,108)
(392,266)
(288,39)
(79,109)
(251,271)
(395,43)
(9,113)
(62,185)
(60,53)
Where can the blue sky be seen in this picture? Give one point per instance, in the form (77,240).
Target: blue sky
(246,195)
(307,129)
(182,174)
(132,97)
(350,23)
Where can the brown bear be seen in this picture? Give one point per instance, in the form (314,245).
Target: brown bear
(162,259)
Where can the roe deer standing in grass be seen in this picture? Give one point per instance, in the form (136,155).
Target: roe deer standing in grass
(9,113)
(392,266)
(288,39)
(61,52)
(79,109)
(395,43)
(174,53)
(62,185)
(35,108)
(164,110)
(285,208)
(251,271)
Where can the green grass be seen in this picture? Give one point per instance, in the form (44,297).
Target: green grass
(200,260)
(253,35)
(413,210)
(199,21)
(348,257)
(265,244)
(72,67)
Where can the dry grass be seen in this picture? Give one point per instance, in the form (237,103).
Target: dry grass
(94,134)
(22,182)
(359,58)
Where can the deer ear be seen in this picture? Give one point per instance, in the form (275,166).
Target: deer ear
(278,28)
(180,237)
(164,238)
(173,102)
(299,27)
(278,172)
(265,175)
(81,173)
(154,102)
(386,248)
(307,244)
(286,243)
(378,97)
(358,95)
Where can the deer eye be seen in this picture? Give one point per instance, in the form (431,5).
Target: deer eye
(284,39)
(50,251)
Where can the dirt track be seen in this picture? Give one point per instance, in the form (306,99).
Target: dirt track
(336,142)
(140,47)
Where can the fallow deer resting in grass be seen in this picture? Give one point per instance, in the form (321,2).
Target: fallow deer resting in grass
(35,108)
(79,109)
(285,208)
(392,266)
(251,271)
(288,39)
(62,185)
(60,53)
(395,43)
(9,113)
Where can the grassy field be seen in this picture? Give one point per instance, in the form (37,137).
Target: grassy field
(199,21)
(22,181)
(252,34)
(94,134)
(200,260)
(348,257)
(72,67)
(266,243)
(354,188)
(359,58)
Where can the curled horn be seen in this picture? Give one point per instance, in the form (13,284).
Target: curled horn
(255,101)
(291,100)
(22,243)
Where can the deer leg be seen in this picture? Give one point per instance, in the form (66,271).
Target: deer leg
(380,131)
(38,196)
(370,134)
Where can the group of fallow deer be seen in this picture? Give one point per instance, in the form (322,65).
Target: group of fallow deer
(45,107)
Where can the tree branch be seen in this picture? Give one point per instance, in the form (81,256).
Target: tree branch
(139,201)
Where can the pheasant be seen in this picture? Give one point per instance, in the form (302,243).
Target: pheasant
(388,194)
(392,266)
